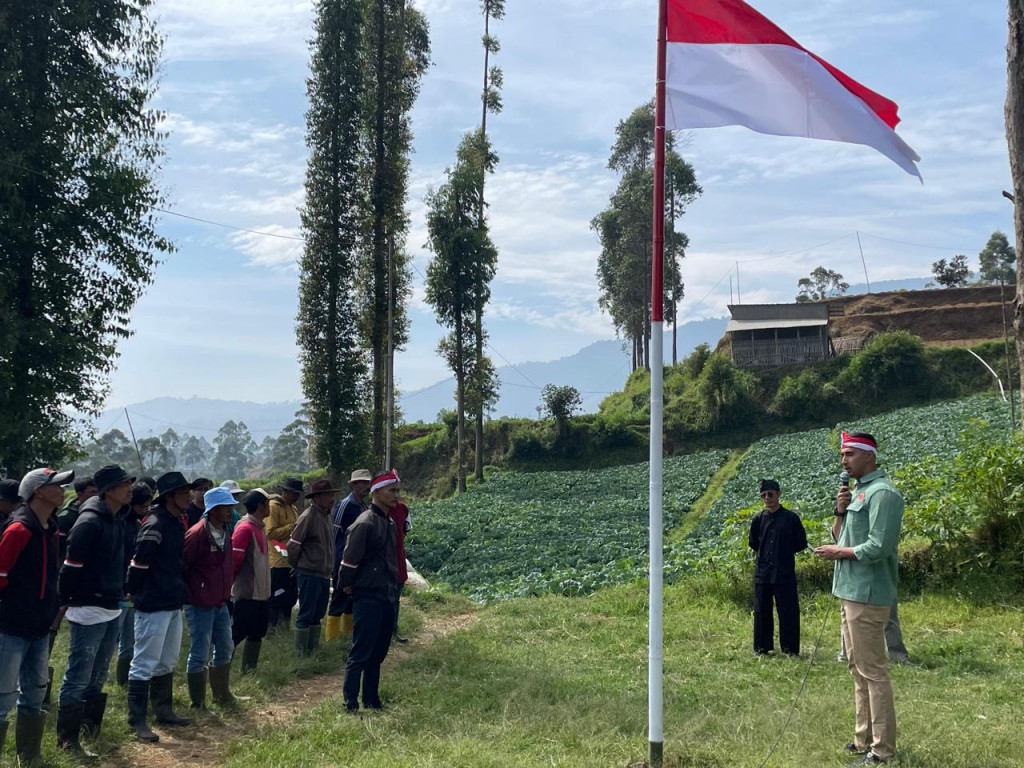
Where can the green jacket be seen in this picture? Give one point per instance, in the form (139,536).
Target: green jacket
(872,528)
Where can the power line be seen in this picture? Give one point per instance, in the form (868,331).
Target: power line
(229,226)
(916,245)
(794,253)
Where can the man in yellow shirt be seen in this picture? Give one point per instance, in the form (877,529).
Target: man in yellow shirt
(280,523)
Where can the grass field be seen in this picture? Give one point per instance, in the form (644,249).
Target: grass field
(556,681)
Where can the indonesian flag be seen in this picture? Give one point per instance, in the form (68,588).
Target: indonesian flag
(728,65)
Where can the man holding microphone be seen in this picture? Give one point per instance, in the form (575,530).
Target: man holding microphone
(867,533)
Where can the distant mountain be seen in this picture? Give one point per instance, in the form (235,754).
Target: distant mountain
(596,371)
(199,416)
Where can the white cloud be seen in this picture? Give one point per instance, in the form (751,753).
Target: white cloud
(224,29)
(265,250)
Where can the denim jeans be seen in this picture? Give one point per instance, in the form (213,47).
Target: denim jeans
(373,622)
(157,644)
(313,594)
(204,625)
(89,650)
(126,643)
(23,674)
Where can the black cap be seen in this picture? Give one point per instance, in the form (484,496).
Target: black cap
(110,476)
(171,481)
(254,499)
(9,491)
(768,485)
(141,494)
(292,484)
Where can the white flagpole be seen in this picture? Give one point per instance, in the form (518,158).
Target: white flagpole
(655,635)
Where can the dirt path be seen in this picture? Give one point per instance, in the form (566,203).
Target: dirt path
(204,743)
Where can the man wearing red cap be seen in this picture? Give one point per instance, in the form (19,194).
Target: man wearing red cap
(369,572)
(867,531)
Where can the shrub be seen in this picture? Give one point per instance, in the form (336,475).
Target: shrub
(803,397)
(888,363)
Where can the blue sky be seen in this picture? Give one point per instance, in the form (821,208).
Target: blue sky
(219,321)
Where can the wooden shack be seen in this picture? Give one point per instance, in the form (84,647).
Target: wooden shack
(763,335)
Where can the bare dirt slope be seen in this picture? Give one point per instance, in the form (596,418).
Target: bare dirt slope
(948,316)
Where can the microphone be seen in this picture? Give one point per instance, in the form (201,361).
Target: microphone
(844,479)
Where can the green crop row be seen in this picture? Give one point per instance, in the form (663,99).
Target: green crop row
(806,464)
(565,532)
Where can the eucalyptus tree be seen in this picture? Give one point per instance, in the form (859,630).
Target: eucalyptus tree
(998,260)
(483,383)
(625,231)
(80,149)
(463,264)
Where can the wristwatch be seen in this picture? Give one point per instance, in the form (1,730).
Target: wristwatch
(836,512)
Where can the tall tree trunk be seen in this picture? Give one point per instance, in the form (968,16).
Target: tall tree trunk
(1015,144)
(378,333)
(460,405)
(478,437)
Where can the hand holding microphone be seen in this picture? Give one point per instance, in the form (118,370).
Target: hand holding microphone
(844,497)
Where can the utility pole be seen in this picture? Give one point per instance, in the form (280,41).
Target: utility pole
(864,263)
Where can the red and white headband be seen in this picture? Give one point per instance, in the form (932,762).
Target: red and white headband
(860,442)
(383,481)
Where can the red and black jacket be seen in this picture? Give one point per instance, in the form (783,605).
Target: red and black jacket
(94,569)
(28,575)
(156,574)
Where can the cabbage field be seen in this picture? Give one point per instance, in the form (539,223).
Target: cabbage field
(806,464)
(521,534)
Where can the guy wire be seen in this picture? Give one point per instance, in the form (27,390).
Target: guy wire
(800,690)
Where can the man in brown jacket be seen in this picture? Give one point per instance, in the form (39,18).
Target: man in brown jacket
(369,572)
(279,525)
(311,553)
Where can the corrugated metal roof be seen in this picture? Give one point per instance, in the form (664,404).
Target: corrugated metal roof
(757,325)
(793,311)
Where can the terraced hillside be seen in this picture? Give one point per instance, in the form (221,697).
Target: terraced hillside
(570,533)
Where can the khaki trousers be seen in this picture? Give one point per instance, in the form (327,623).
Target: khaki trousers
(864,632)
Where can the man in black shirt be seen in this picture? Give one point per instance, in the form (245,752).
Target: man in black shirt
(776,535)
(195,510)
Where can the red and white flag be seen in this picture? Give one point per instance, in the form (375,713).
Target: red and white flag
(729,65)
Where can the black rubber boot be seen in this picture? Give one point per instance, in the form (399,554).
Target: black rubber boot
(123,666)
(28,736)
(251,655)
(92,717)
(197,689)
(138,703)
(314,639)
(69,726)
(220,685)
(301,641)
(161,694)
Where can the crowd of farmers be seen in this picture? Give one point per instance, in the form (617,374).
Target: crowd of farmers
(127,563)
